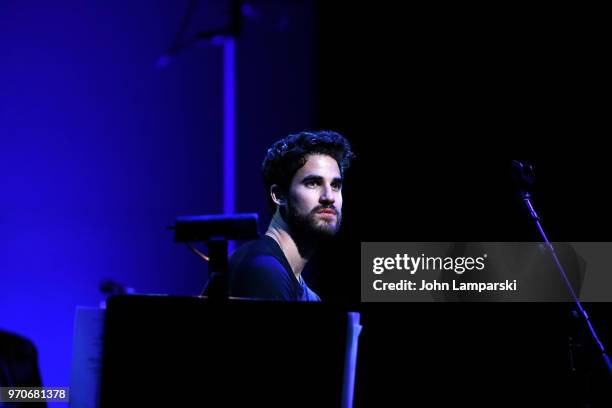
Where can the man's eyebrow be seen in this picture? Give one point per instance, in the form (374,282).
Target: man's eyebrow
(314,177)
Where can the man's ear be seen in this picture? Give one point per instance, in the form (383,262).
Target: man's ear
(278,195)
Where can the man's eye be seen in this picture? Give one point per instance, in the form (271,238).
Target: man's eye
(336,186)
(311,183)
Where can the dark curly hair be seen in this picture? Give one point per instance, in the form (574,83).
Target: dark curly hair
(288,155)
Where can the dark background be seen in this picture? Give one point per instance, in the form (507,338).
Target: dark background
(437,103)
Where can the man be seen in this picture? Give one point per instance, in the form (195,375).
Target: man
(303,176)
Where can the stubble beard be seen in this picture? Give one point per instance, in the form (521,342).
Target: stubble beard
(310,226)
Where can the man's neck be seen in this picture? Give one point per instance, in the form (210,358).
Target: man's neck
(280,232)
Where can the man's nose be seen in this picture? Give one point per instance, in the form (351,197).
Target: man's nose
(327,195)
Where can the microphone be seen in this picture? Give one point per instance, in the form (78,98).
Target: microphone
(523,174)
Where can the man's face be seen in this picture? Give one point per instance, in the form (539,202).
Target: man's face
(315,197)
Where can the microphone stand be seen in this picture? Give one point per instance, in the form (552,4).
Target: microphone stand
(525,176)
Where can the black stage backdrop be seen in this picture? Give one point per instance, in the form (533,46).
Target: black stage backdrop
(436,104)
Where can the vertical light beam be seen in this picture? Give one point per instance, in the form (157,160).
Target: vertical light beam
(229,125)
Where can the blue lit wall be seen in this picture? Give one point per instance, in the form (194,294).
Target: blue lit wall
(99,150)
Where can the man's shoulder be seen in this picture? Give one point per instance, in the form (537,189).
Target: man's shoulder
(262,256)
(255,252)
(257,269)
(261,265)
(260,245)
